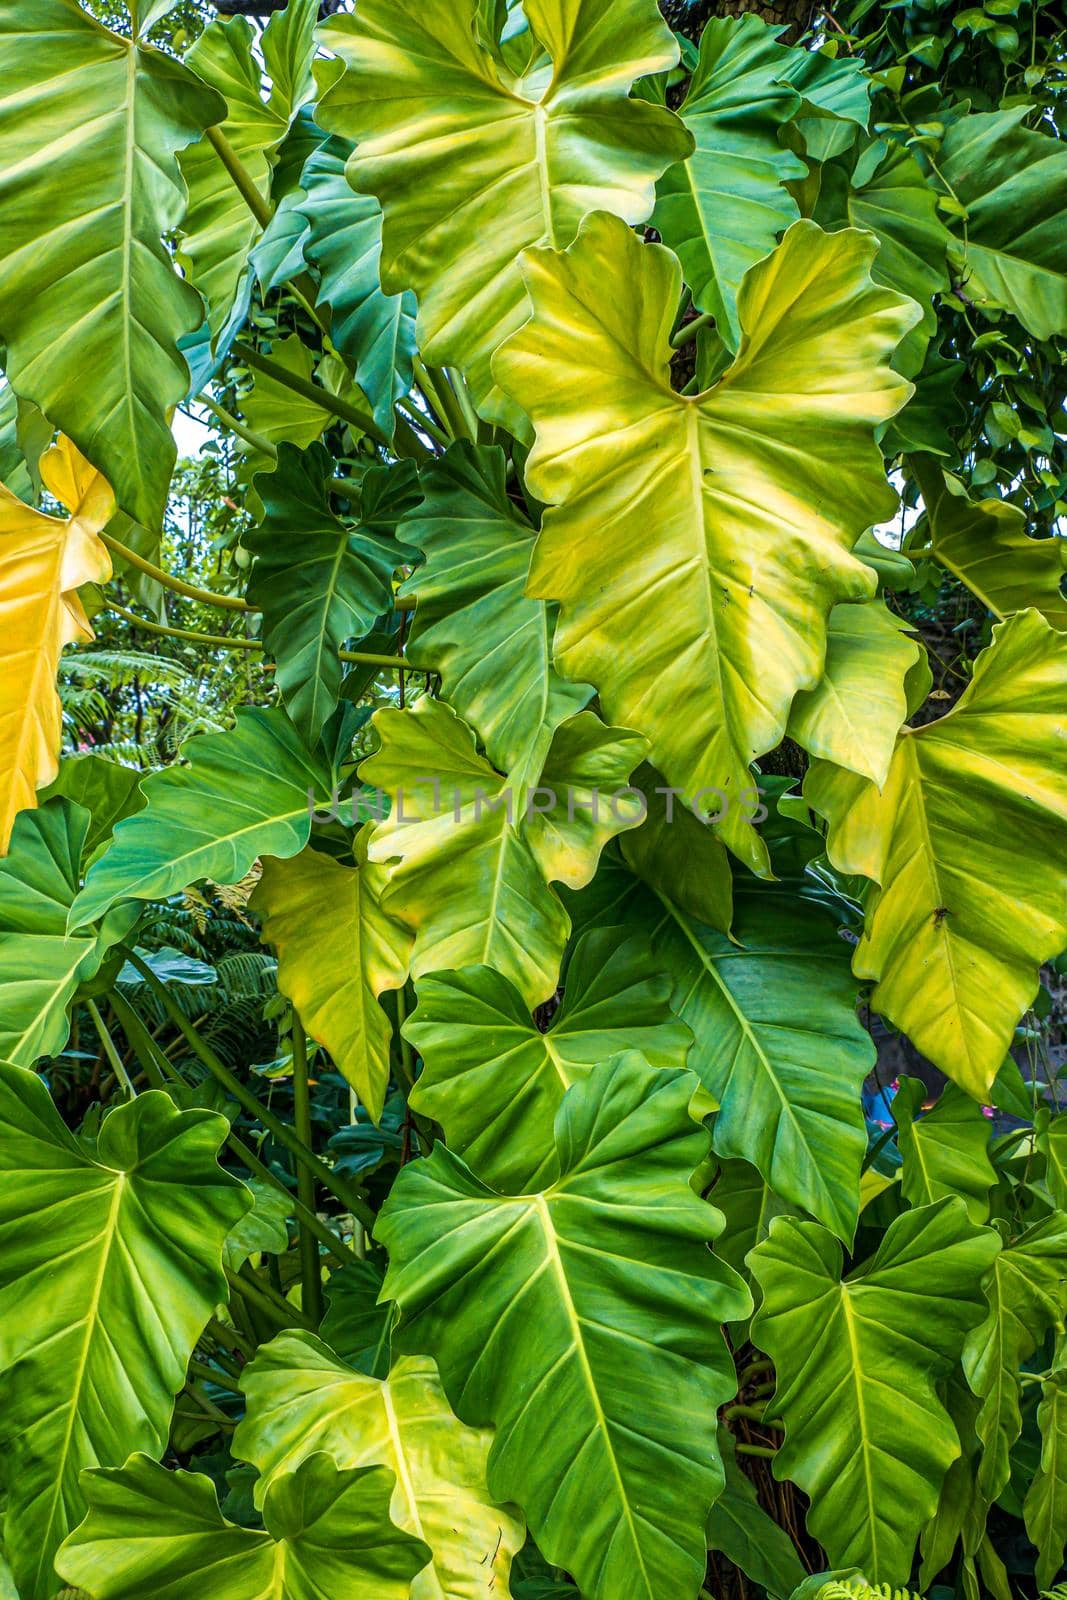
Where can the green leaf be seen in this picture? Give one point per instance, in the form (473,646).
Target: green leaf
(1045,1506)
(473,623)
(749,1205)
(579,1321)
(105,789)
(357,1325)
(277,412)
(110,1265)
(985,545)
(1013,184)
(852,717)
(778,1044)
(327,1533)
(963,840)
(335,966)
(700,635)
(679,855)
(831,88)
(473,164)
(724,208)
(1052,1142)
(374,330)
(302,1399)
(945,1150)
(242,794)
(495,1080)
(41,966)
(1027,1295)
(858,1361)
(471,856)
(746,1535)
(318,581)
(91,307)
(219,228)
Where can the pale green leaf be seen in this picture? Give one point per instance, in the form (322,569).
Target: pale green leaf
(110,1265)
(869,1348)
(580,1322)
(945,1150)
(731,513)
(1045,1506)
(302,1399)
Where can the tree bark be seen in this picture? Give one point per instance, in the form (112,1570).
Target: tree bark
(264,8)
(689,16)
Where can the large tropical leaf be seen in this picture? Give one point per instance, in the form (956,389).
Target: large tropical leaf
(91,307)
(43,562)
(495,1081)
(41,965)
(1013,183)
(317,580)
(678,854)
(724,209)
(870,1347)
(241,794)
(302,1399)
(966,841)
(945,1150)
(473,162)
(374,330)
(984,543)
(473,623)
(579,1321)
(107,790)
(1045,1506)
(777,1042)
(853,715)
(471,856)
(219,228)
(334,967)
(1027,1295)
(110,1265)
(746,1535)
(732,513)
(326,1533)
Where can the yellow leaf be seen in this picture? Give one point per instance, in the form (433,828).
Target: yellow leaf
(43,562)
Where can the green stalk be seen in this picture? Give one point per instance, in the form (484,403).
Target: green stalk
(114,1059)
(311,391)
(241,429)
(443,398)
(690,330)
(206,597)
(247,1100)
(766,1450)
(310,1269)
(221,641)
(274,1307)
(261,209)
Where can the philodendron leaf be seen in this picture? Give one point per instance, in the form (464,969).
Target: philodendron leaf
(472,855)
(473,622)
(946,1150)
(495,1081)
(778,1044)
(318,581)
(374,330)
(724,209)
(302,1399)
(1026,1295)
(41,965)
(89,184)
(334,968)
(678,854)
(219,228)
(107,790)
(326,1533)
(853,715)
(870,1347)
(110,1265)
(1045,1506)
(531,1307)
(278,413)
(473,163)
(966,841)
(1013,185)
(358,1324)
(732,512)
(43,562)
(746,1535)
(985,545)
(242,794)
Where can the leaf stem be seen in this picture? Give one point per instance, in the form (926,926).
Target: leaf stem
(366,658)
(310,1268)
(689,330)
(275,1307)
(261,209)
(311,391)
(247,1101)
(206,597)
(766,1450)
(258,441)
(114,1059)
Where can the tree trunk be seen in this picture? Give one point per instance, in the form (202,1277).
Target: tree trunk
(264,8)
(689,16)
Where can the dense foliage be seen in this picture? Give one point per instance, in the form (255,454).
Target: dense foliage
(606,668)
